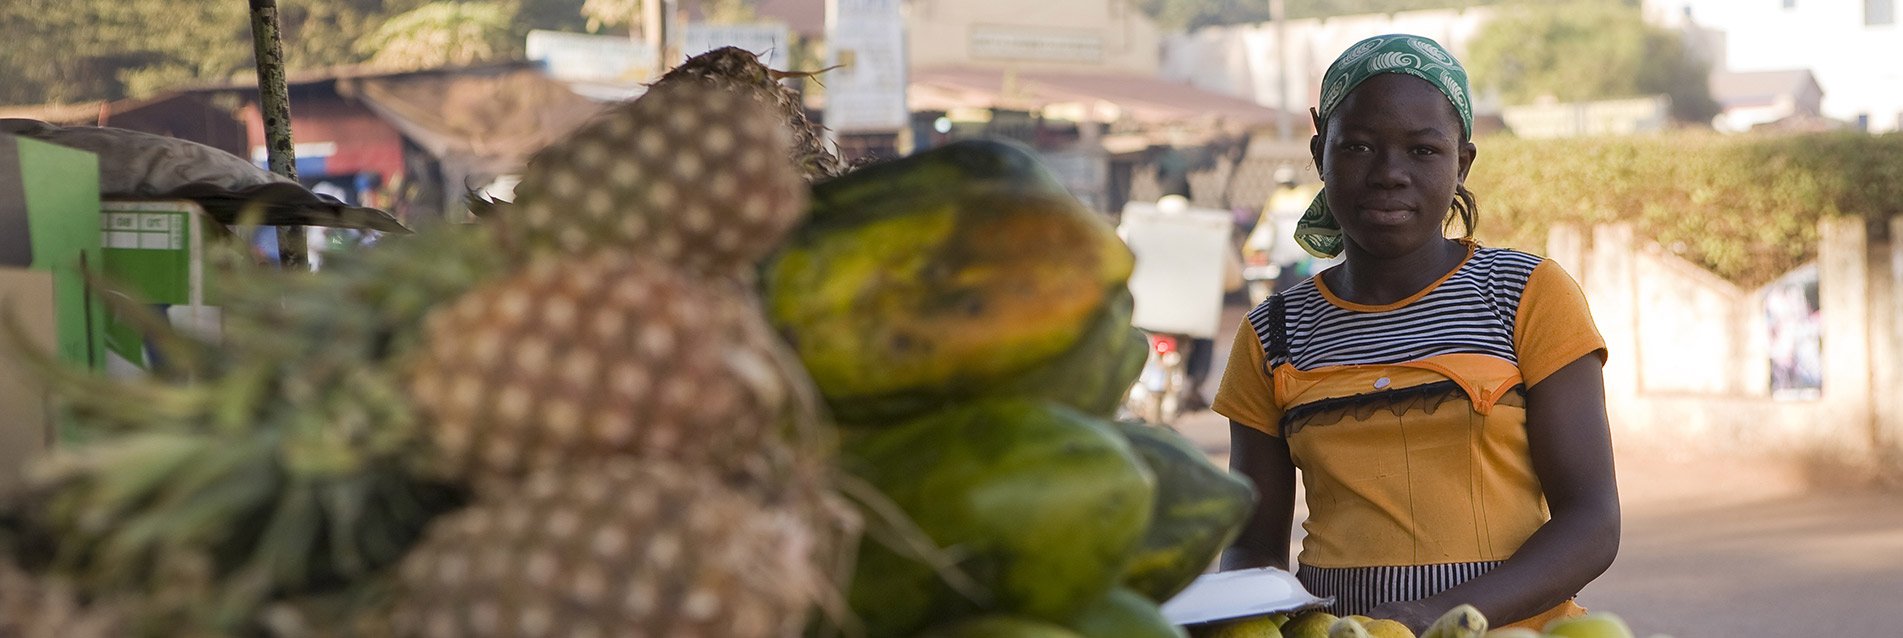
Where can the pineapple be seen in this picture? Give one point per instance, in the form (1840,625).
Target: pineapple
(613,354)
(739,70)
(284,463)
(617,548)
(693,173)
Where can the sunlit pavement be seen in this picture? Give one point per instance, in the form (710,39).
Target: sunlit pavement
(1722,547)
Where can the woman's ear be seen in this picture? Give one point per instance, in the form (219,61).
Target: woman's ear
(1315,142)
(1467,153)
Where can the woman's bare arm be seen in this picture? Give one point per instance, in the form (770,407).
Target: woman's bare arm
(1264,461)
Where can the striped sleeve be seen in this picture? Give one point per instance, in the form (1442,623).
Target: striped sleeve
(1553,326)
(1246,394)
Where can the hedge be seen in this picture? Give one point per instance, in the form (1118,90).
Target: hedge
(1744,206)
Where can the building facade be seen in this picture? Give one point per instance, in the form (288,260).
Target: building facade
(1054,35)
(1850,46)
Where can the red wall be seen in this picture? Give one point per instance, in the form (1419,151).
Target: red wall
(364,142)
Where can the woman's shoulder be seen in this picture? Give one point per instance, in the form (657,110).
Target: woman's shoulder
(1504,259)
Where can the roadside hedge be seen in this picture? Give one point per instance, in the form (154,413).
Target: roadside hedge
(1744,206)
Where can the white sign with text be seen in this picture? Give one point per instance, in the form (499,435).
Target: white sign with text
(867,42)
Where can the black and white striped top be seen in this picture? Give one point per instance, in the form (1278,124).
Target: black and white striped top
(1471,312)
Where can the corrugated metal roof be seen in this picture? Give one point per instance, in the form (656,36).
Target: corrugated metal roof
(1138,98)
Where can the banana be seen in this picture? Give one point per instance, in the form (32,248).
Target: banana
(1460,622)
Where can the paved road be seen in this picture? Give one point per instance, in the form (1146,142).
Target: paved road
(1719,547)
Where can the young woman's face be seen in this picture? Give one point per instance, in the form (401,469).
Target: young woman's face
(1391,157)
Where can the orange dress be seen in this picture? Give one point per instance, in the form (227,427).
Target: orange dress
(1408,420)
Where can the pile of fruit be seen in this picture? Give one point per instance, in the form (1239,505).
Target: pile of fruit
(968,324)
(690,383)
(1462,621)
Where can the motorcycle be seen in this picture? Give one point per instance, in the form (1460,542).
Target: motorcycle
(1162,389)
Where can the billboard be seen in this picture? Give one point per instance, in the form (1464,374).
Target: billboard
(866,94)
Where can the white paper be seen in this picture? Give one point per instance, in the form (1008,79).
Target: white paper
(1239,594)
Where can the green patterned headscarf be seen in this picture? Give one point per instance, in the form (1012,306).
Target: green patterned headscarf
(1317,232)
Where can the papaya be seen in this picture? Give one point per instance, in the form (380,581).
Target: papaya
(902,300)
(1199,510)
(1123,613)
(1094,375)
(1001,627)
(933,176)
(1035,505)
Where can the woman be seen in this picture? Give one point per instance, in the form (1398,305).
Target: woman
(1444,401)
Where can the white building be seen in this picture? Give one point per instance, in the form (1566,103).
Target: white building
(1851,46)
(1749,99)
(1241,59)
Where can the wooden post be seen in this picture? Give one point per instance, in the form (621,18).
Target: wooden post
(274,101)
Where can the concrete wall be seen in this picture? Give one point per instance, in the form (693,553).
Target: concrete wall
(1689,356)
(1069,35)
(1688,318)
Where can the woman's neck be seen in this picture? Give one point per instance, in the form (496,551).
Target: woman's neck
(1376,281)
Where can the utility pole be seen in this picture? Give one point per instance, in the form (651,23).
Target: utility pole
(1279,12)
(656,16)
(274,102)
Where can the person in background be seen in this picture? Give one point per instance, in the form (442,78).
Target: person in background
(1444,401)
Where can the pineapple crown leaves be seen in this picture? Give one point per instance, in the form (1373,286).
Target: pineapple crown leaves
(289,468)
(121,509)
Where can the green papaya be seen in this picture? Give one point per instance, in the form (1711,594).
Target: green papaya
(1095,374)
(1036,505)
(933,176)
(1000,627)
(902,300)
(1199,510)
(1124,613)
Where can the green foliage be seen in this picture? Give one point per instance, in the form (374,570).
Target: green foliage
(1321,8)
(74,50)
(71,50)
(443,34)
(1194,14)
(1745,207)
(1587,51)
(626,14)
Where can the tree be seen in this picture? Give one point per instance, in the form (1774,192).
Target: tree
(61,50)
(627,13)
(1195,14)
(1588,51)
(443,34)
(73,50)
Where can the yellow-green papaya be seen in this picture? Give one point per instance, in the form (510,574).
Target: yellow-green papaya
(1123,613)
(1094,374)
(935,175)
(1036,504)
(1000,627)
(900,300)
(1199,510)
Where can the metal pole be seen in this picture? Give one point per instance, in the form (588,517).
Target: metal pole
(1279,13)
(654,17)
(274,100)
